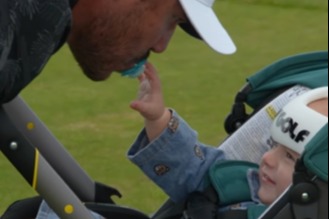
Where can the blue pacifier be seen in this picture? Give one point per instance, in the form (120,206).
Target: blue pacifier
(135,71)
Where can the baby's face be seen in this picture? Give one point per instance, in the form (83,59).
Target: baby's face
(276,172)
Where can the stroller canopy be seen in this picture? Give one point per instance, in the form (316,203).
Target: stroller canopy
(309,69)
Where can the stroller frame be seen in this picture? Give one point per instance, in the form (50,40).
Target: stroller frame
(47,166)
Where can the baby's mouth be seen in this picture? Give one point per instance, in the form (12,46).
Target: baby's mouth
(266,179)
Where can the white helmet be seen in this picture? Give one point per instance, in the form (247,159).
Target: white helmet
(297,124)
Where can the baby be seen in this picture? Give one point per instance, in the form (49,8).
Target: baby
(169,153)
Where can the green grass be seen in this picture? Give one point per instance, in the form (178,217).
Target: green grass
(94,122)
(306,4)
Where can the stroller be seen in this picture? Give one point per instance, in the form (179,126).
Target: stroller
(49,168)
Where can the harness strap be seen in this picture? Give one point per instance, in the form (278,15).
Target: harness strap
(202,205)
(236,214)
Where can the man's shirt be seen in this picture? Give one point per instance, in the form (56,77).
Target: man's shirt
(30,32)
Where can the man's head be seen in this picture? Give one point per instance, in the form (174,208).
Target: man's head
(294,127)
(111,35)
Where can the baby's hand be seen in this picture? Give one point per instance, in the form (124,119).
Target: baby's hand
(149,102)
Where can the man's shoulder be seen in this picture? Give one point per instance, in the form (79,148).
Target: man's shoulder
(30,32)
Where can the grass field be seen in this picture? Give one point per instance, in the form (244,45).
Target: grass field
(95,123)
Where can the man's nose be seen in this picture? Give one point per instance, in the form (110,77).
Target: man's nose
(162,44)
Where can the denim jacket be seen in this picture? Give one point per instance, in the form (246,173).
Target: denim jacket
(178,163)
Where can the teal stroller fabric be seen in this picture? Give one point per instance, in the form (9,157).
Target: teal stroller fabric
(309,69)
(316,155)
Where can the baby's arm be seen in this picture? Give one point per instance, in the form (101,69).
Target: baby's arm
(170,155)
(150,103)
(176,161)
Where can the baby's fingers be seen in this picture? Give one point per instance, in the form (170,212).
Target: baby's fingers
(142,77)
(152,76)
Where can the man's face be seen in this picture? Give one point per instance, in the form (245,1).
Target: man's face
(276,172)
(113,35)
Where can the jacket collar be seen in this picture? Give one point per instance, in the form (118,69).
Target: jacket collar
(73,3)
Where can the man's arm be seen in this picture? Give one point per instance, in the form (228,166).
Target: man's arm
(7,15)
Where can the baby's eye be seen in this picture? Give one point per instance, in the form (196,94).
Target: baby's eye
(290,157)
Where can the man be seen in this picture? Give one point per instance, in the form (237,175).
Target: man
(103,35)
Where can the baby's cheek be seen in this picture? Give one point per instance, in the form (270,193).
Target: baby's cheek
(285,180)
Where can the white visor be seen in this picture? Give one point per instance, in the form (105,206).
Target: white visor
(297,124)
(204,20)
